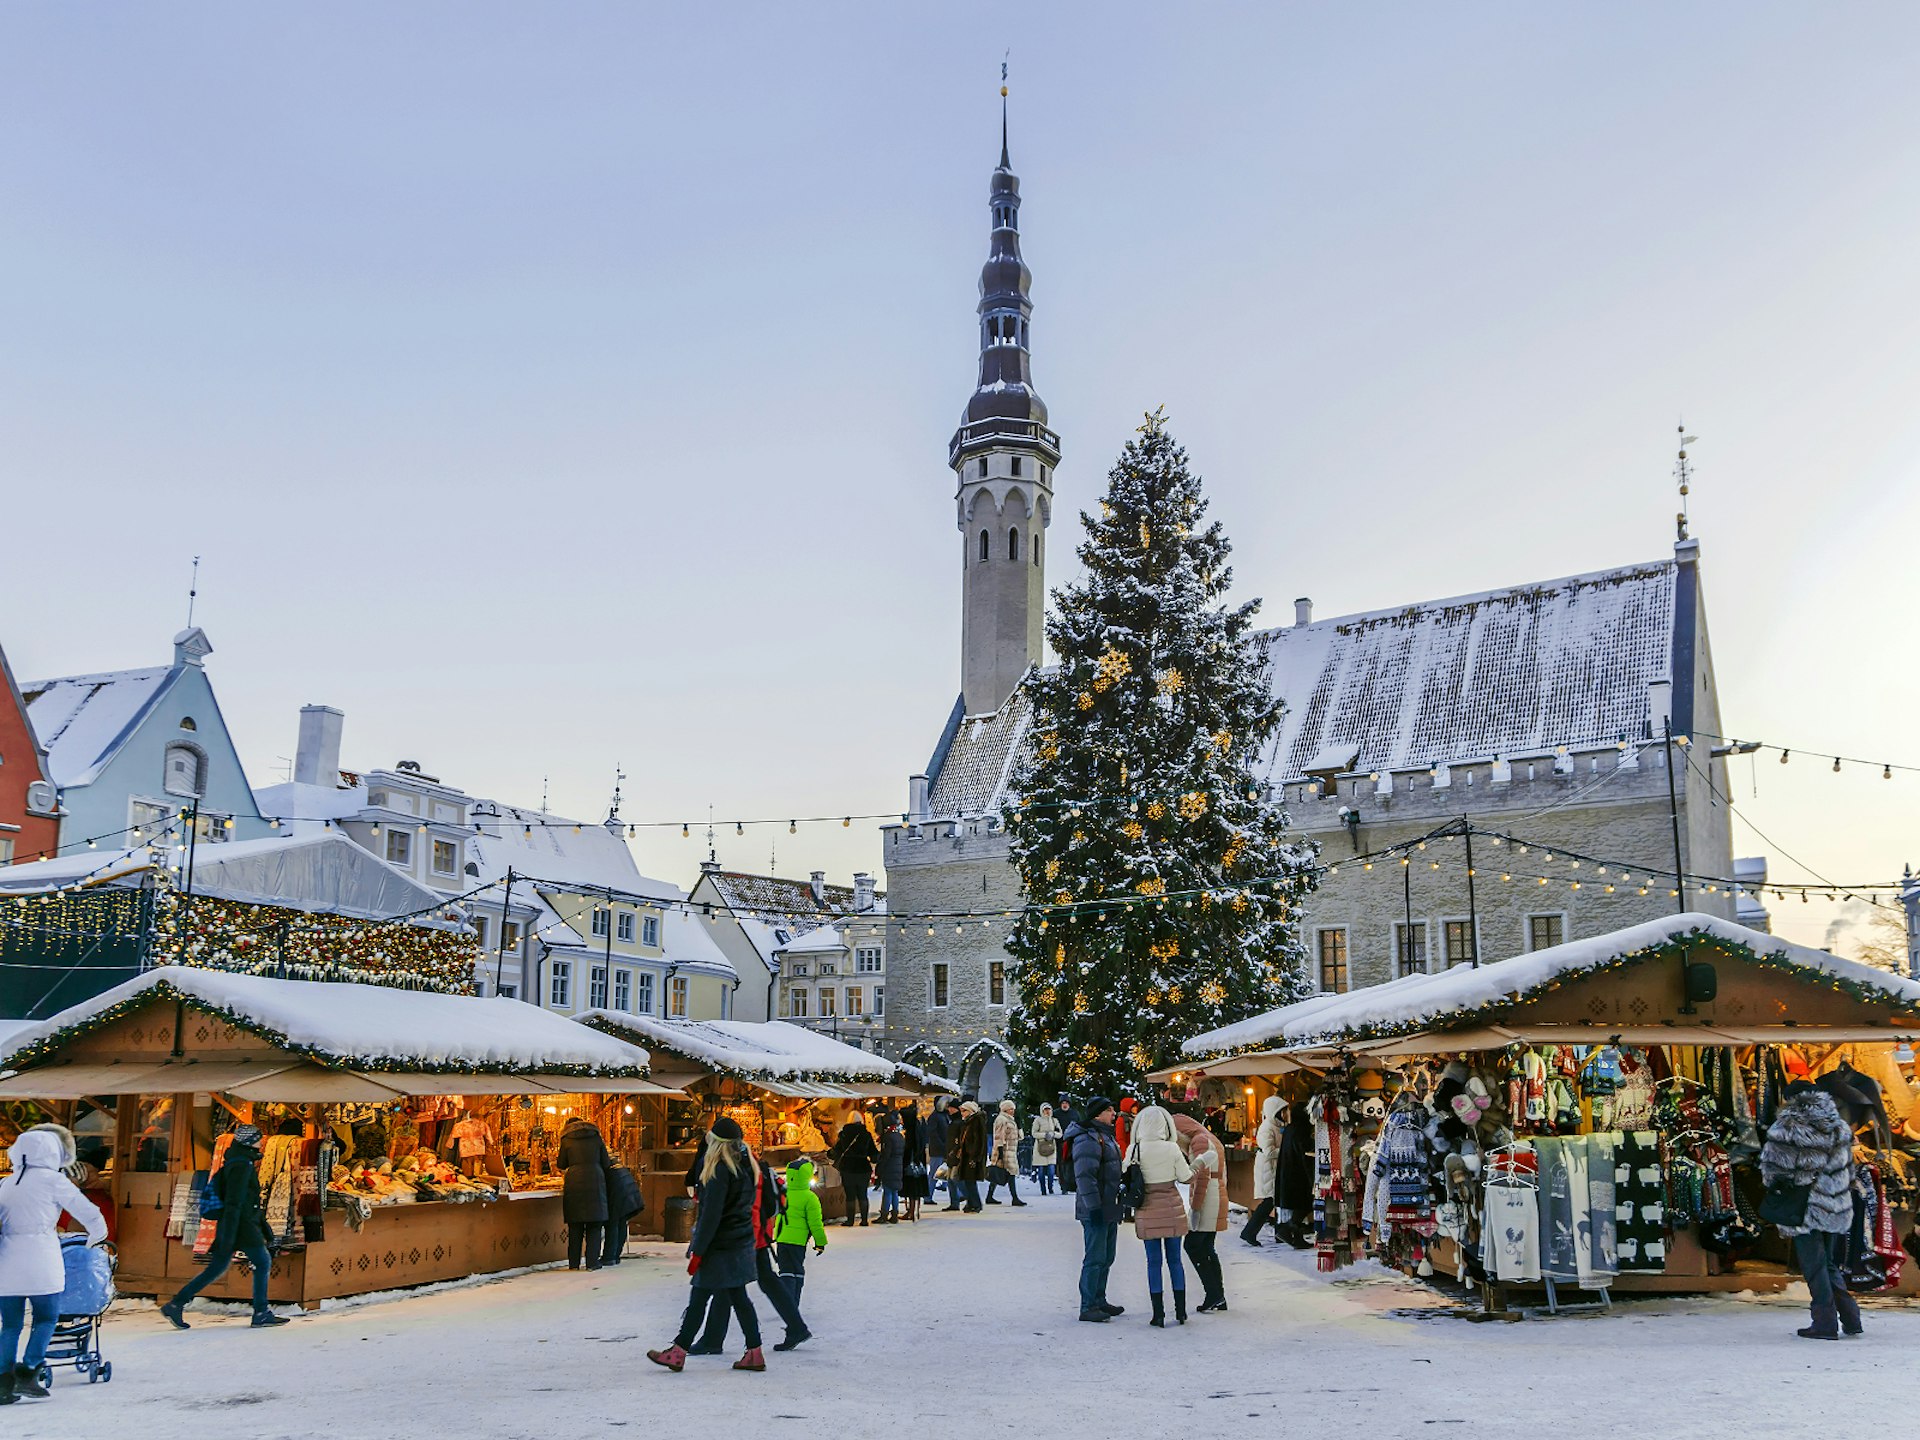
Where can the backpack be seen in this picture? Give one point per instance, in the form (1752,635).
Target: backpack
(1064,1170)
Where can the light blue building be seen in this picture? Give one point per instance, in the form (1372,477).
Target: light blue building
(129,750)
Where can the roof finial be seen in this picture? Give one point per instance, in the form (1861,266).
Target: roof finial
(1683,473)
(1005,163)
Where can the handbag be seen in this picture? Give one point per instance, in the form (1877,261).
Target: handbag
(997,1175)
(1133,1186)
(916,1171)
(1785,1203)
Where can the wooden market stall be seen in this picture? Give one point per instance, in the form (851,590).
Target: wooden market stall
(1619,1086)
(366,1094)
(788,1087)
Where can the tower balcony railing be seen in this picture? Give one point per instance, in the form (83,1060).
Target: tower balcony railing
(981,434)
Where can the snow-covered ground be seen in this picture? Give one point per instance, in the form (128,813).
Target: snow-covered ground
(965,1326)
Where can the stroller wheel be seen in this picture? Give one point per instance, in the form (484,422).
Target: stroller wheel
(104,1370)
(89,1369)
(45,1376)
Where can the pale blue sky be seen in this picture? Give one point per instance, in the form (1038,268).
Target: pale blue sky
(558,386)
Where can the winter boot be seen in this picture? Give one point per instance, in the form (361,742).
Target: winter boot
(1849,1309)
(25,1382)
(673,1357)
(174,1318)
(1180,1307)
(1095,1316)
(1159,1320)
(795,1339)
(7,1397)
(1112,1309)
(266,1319)
(1825,1326)
(752,1360)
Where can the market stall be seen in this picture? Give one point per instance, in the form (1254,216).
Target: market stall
(1589,1117)
(789,1088)
(410,1134)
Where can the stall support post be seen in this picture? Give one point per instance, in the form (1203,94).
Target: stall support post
(1473,910)
(1673,810)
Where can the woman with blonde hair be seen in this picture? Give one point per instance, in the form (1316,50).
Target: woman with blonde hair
(1206,1208)
(1003,1163)
(1161,1219)
(721,1255)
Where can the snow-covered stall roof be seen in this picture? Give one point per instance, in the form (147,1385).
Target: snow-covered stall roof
(360,1027)
(756,1050)
(1503,673)
(95,866)
(925,1079)
(1462,995)
(82,720)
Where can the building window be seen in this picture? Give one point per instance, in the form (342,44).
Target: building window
(937,986)
(983,467)
(148,819)
(1013,543)
(600,923)
(561,990)
(480,930)
(212,829)
(1459,942)
(186,770)
(623,990)
(986,545)
(1016,464)
(508,992)
(399,848)
(1410,948)
(867,960)
(827,1003)
(510,935)
(1333,961)
(797,1004)
(187,723)
(879,1001)
(597,988)
(446,857)
(799,967)
(996,982)
(650,931)
(1035,547)
(677,998)
(1545,931)
(6,850)
(643,993)
(626,927)
(856,1001)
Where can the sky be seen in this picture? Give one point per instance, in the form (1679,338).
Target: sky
(556,389)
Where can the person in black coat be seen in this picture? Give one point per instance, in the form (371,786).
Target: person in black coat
(1293,1182)
(624,1201)
(582,1158)
(934,1131)
(240,1224)
(785,1302)
(853,1155)
(721,1255)
(891,1167)
(914,1187)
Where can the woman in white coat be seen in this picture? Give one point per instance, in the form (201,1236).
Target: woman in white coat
(1161,1220)
(1046,1148)
(31,1270)
(1266,1169)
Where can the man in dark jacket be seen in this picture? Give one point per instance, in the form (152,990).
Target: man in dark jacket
(940,1127)
(240,1224)
(1096,1205)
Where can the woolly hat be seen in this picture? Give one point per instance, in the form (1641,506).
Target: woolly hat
(247,1135)
(728,1128)
(1097,1105)
(1006,1107)
(953,1104)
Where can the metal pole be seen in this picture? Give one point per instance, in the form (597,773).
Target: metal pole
(1673,805)
(1406,895)
(192,815)
(500,952)
(606,968)
(1473,910)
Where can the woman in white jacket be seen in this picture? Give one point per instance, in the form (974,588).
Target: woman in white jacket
(1046,1148)
(31,1270)
(1161,1220)
(1266,1169)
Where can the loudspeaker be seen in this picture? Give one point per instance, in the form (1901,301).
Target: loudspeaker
(1703,982)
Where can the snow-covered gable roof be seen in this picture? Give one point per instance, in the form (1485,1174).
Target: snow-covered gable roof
(1499,674)
(305,809)
(687,941)
(786,904)
(362,1027)
(83,720)
(977,769)
(765,1049)
(821,940)
(1417,1002)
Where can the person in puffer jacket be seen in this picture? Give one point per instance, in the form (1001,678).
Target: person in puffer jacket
(1810,1144)
(1161,1220)
(1266,1167)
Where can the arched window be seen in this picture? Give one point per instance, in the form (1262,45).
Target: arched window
(185,773)
(1038,540)
(186,723)
(1013,543)
(986,545)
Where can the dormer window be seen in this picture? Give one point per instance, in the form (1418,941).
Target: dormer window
(185,772)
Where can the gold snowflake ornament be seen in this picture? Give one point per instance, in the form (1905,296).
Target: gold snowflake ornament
(1171,682)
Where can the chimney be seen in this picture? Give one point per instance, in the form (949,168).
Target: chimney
(1659,707)
(1303,611)
(817,883)
(862,890)
(917,796)
(316,759)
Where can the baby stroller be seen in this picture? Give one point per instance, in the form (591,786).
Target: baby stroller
(83,1305)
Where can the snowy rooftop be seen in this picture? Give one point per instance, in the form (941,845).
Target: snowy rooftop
(978,766)
(1418,1001)
(788,905)
(364,1026)
(83,719)
(770,1049)
(1503,673)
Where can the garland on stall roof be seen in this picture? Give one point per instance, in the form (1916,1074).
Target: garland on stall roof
(1865,991)
(46,1047)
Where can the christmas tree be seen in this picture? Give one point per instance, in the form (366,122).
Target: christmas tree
(1161,883)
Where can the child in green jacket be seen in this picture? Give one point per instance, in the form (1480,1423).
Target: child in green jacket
(801,1219)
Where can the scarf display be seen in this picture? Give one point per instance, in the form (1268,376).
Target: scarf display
(1639,1201)
(1873,1257)
(1336,1186)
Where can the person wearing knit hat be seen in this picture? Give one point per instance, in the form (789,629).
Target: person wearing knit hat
(232,1198)
(721,1256)
(1096,1204)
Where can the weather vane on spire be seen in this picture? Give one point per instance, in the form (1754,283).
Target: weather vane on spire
(1683,474)
(1005,163)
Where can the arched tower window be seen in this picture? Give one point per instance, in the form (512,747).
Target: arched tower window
(1013,543)
(986,545)
(1038,540)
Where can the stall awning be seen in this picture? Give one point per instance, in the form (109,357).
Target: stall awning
(883,1092)
(807,1089)
(291,1082)
(73,1082)
(1259,1062)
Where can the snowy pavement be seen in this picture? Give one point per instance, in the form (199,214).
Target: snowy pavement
(966,1325)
